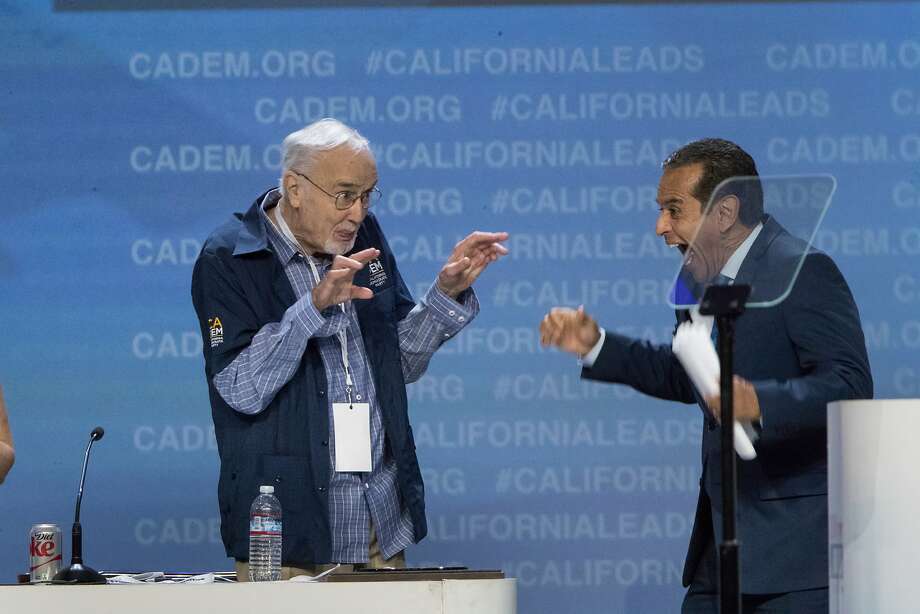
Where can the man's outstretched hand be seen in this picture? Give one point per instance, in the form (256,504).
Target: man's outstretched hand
(469,259)
(570,330)
(338,284)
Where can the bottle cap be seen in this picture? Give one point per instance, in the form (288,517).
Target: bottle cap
(267,490)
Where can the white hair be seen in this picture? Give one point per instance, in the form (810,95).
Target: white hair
(299,149)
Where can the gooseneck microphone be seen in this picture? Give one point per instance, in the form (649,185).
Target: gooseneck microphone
(78,573)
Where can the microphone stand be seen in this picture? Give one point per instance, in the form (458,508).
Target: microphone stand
(78,573)
(726,303)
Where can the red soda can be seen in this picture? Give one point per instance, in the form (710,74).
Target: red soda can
(45,552)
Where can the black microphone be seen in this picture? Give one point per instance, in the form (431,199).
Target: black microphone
(78,573)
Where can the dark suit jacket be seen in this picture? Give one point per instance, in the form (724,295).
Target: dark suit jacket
(800,355)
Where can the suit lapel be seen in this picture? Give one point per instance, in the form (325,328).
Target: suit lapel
(747,274)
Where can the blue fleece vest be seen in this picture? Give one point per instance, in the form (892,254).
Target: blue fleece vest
(238,279)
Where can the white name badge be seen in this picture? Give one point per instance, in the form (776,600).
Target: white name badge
(352,425)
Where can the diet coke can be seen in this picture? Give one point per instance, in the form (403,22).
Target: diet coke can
(44,552)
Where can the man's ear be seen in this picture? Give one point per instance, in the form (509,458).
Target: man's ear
(728,209)
(292,191)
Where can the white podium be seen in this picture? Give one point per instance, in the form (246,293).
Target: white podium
(414,597)
(874,503)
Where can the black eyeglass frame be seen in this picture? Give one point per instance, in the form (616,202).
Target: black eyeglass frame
(345,200)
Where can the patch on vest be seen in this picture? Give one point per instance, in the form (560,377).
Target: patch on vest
(217,331)
(378,275)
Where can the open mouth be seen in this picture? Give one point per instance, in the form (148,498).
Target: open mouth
(685,251)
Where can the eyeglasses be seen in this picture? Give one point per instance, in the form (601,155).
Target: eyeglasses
(344,200)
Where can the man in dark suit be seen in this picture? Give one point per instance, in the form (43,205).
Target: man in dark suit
(791,360)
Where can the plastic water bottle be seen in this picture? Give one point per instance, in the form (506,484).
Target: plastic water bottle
(265,536)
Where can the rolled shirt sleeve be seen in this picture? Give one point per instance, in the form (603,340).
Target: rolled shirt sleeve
(434,320)
(250,382)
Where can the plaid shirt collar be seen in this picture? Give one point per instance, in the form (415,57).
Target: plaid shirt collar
(286,249)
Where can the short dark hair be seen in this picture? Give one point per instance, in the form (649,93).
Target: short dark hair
(721,160)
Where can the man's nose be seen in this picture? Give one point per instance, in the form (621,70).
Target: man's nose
(357,212)
(662,224)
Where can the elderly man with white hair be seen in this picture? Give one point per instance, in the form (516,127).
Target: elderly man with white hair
(310,337)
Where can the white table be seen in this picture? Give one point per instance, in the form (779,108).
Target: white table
(873,498)
(411,597)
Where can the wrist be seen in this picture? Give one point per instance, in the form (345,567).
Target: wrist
(595,337)
(318,302)
(589,343)
(452,294)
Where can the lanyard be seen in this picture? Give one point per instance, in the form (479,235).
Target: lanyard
(342,334)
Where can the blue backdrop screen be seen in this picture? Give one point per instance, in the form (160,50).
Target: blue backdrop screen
(127,136)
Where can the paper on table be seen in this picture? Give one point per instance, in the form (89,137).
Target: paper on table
(159,577)
(316,577)
(138,578)
(693,347)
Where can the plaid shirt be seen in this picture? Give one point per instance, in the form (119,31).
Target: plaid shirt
(250,382)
